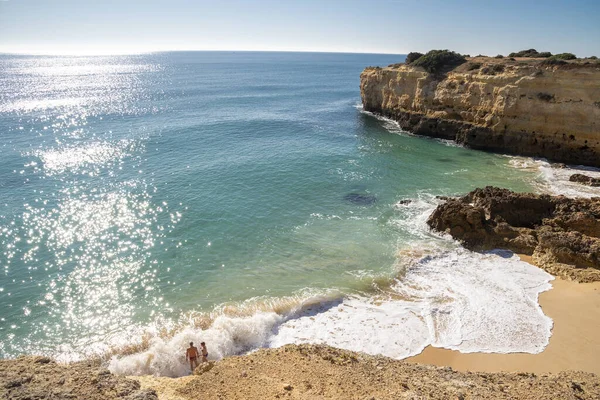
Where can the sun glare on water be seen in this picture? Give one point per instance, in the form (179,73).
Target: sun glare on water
(66,50)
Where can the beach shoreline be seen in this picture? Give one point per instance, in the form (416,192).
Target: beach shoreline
(574,344)
(567,366)
(571,354)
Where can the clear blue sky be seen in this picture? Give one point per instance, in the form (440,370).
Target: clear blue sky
(376,26)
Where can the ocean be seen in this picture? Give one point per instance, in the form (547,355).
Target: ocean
(243,199)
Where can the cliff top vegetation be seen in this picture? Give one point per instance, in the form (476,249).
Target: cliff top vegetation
(436,61)
(531,53)
(442,61)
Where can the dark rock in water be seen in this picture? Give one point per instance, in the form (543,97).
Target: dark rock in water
(360,199)
(442,198)
(584,179)
(404,202)
(562,234)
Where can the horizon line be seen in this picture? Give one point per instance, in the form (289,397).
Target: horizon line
(73,54)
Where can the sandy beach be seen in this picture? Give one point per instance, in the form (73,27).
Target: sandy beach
(574,344)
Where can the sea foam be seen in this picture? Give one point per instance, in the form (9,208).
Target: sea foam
(453,299)
(226,336)
(554,178)
(444,296)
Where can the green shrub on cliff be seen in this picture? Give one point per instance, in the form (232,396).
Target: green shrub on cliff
(593,58)
(523,53)
(531,53)
(559,59)
(553,61)
(564,56)
(411,57)
(436,61)
(493,69)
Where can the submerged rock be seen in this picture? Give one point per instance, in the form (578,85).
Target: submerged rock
(562,234)
(360,199)
(584,179)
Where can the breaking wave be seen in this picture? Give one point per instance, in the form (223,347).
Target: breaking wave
(443,295)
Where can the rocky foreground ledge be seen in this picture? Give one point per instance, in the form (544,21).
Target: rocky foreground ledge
(322,372)
(31,378)
(520,106)
(294,372)
(562,234)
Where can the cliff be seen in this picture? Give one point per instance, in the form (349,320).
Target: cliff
(518,107)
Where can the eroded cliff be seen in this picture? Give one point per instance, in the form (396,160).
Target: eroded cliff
(518,107)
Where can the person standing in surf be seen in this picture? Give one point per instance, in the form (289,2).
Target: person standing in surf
(191,355)
(204,352)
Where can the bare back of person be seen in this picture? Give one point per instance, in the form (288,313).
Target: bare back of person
(192,355)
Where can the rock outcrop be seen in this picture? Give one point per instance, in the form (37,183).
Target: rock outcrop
(562,234)
(27,378)
(518,107)
(322,372)
(295,372)
(584,179)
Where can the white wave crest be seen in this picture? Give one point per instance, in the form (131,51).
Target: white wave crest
(444,296)
(554,178)
(453,299)
(226,336)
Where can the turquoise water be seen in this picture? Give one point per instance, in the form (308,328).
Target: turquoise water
(144,192)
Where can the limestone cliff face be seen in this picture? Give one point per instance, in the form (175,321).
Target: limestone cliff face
(512,107)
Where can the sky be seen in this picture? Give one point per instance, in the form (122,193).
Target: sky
(473,27)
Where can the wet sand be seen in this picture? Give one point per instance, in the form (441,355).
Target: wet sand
(574,344)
